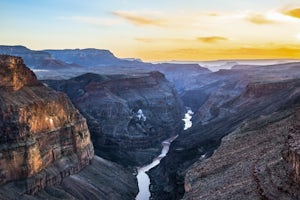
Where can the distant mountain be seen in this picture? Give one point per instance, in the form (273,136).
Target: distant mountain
(182,75)
(89,57)
(75,62)
(34,59)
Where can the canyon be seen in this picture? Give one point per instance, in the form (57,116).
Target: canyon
(243,142)
(233,97)
(128,115)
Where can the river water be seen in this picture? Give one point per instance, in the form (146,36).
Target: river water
(142,177)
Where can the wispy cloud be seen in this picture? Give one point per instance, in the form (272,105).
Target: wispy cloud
(295,12)
(140,20)
(259,19)
(91,20)
(212,39)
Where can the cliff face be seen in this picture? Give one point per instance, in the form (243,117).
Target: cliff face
(251,162)
(292,156)
(14,75)
(45,146)
(40,130)
(127,114)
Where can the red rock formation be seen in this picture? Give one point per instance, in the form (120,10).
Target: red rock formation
(14,75)
(43,138)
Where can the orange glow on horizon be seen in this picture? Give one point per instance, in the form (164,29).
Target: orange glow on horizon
(221,54)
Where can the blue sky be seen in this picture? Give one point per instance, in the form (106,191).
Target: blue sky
(156,30)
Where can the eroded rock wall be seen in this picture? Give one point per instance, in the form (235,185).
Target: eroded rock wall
(43,137)
(250,163)
(14,75)
(292,155)
(232,103)
(128,115)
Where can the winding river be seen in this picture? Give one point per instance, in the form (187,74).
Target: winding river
(142,177)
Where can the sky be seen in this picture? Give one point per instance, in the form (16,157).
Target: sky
(157,30)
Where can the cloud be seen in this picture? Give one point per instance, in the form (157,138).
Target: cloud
(139,20)
(212,39)
(259,19)
(292,12)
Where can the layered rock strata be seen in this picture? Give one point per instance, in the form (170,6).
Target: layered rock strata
(292,155)
(232,99)
(251,163)
(43,137)
(101,179)
(128,115)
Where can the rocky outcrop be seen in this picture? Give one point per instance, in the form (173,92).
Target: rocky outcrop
(43,137)
(14,75)
(226,107)
(249,164)
(292,155)
(128,115)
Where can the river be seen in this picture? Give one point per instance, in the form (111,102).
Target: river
(142,177)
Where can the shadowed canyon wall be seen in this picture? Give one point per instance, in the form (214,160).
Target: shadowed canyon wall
(251,163)
(232,98)
(128,115)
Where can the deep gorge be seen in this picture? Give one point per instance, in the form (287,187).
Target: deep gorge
(142,177)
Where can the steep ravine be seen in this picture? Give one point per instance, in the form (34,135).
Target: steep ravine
(257,96)
(142,177)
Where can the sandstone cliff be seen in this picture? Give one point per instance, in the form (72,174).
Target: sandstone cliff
(14,75)
(40,130)
(45,146)
(128,115)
